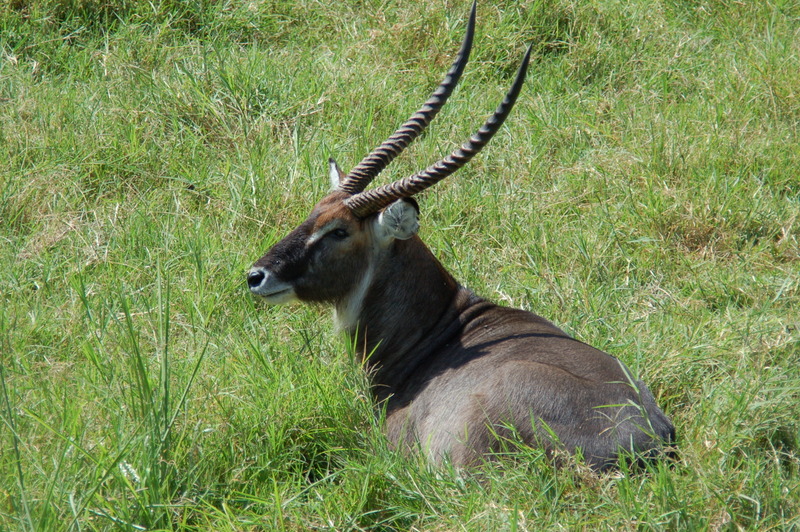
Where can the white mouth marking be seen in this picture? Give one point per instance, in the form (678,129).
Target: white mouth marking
(275,293)
(273,290)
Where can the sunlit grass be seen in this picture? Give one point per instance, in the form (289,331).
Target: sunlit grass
(643,195)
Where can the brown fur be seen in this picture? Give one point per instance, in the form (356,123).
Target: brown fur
(453,370)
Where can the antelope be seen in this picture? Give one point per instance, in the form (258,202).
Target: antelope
(455,373)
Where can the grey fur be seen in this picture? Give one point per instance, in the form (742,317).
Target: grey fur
(454,371)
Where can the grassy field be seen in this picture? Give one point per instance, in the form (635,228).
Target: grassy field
(644,195)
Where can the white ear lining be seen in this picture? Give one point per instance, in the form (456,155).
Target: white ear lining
(335,174)
(400,220)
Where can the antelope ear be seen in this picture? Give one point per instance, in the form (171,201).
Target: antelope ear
(400,220)
(335,173)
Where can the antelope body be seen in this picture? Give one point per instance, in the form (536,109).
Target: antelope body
(455,372)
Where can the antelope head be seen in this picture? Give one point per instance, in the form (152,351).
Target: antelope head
(332,256)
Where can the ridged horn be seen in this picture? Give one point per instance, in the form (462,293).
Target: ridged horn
(369,167)
(365,203)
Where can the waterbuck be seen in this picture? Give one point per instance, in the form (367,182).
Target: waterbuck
(455,373)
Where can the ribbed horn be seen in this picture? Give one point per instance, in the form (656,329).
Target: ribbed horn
(371,201)
(369,167)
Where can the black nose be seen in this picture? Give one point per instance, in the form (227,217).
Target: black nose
(255,278)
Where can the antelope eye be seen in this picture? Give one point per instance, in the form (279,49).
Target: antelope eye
(339,234)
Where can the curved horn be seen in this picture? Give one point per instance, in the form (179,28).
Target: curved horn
(369,167)
(371,201)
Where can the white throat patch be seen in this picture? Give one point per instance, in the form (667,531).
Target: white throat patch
(345,314)
(398,221)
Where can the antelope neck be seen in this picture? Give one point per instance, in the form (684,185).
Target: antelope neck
(406,313)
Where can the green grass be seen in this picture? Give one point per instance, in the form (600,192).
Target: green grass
(644,195)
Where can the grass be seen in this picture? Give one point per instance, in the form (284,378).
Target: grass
(644,195)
